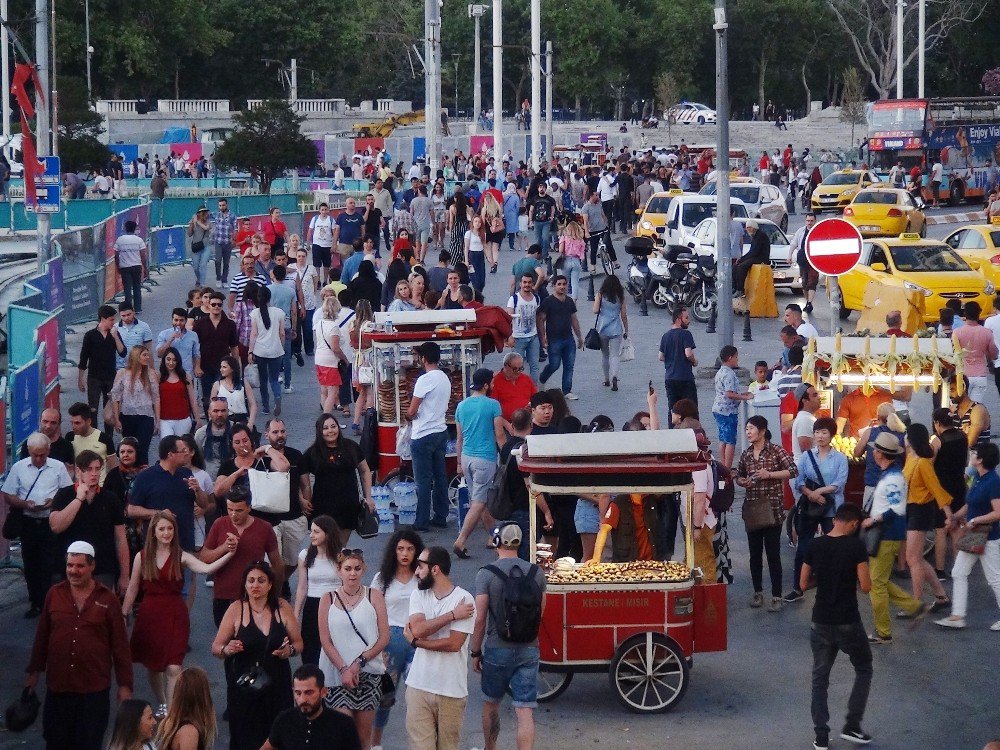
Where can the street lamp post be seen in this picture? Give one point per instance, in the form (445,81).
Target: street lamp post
(724,251)
(900,5)
(476,12)
(498,83)
(455,58)
(5,62)
(89,49)
(921,43)
(536,83)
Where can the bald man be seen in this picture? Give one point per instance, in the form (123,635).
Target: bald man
(61,449)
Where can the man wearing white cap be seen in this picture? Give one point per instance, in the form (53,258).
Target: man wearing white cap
(81,637)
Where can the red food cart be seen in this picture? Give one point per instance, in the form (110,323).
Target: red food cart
(639,622)
(392,341)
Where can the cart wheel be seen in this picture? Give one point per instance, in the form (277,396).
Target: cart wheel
(552,684)
(393,478)
(453,495)
(649,673)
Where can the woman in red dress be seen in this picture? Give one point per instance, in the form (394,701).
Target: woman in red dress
(162,626)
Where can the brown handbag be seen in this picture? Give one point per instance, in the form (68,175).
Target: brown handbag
(758,514)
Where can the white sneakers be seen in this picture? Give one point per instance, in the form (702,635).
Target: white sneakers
(572,397)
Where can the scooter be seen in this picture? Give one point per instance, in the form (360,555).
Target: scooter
(696,290)
(648,273)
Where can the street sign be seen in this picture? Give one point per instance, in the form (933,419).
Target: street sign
(833,246)
(48,187)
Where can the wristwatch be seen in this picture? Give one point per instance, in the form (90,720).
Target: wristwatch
(362,661)
(476,654)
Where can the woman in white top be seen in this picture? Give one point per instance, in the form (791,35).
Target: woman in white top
(241,400)
(353,630)
(330,336)
(267,347)
(396,580)
(318,575)
(308,281)
(475,255)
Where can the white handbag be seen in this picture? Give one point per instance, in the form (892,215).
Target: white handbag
(269,491)
(627,351)
(251,375)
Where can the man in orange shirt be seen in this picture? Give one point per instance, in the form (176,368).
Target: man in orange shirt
(858,411)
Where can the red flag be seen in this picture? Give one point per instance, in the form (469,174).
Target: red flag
(22,74)
(32,168)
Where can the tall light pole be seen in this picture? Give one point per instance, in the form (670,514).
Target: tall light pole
(476,12)
(5,76)
(548,99)
(432,68)
(498,83)
(42,127)
(536,82)
(723,250)
(899,48)
(455,58)
(90,50)
(921,43)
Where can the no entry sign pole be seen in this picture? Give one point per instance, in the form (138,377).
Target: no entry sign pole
(833,247)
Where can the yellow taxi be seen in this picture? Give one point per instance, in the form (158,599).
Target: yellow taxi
(979,245)
(885,211)
(653,216)
(838,188)
(913,262)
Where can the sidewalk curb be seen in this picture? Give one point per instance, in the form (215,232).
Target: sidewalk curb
(968,216)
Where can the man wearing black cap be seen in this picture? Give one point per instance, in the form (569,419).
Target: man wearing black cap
(480,425)
(429,437)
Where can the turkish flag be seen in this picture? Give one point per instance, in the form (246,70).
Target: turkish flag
(32,168)
(22,74)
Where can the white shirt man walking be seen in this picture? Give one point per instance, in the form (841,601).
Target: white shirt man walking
(441,620)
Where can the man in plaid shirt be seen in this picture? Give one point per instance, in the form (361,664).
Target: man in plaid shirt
(223,231)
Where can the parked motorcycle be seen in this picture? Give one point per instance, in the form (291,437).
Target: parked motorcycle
(695,286)
(649,273)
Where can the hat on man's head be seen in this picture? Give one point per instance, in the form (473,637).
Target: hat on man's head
(801,390)
(508,534)
(888,443)
(81,548)
(751,224)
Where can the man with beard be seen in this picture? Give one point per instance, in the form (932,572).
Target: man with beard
(309,724)
(441,621)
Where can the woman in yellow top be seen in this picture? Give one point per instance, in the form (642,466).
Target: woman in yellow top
(924,499)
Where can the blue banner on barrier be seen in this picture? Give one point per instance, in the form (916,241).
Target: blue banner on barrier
(26,401)
(171,245)
(129,152)
(55,274)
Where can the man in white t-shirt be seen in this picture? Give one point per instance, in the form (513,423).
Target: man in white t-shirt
(320,236)
(793,317)
(523,308)
(441,621)
(802,425)
(429,437)
(937,174)
(992,324)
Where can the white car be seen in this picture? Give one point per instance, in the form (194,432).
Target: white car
(786,275)
(762,201)
(687,211)
(691,113)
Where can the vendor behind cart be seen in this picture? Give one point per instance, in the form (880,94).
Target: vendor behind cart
(632,521)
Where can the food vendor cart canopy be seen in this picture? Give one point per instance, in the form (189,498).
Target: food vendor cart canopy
(646,461)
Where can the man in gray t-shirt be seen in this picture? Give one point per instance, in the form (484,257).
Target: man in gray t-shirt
(594,224)
(505,666)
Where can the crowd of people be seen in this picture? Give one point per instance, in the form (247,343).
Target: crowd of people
(114,538)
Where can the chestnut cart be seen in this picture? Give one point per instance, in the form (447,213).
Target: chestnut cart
(640,622)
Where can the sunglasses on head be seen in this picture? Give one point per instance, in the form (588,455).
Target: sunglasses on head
(350,552)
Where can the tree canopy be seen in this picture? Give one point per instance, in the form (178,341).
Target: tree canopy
(266,142)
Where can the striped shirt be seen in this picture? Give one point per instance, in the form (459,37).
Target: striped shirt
(240,281)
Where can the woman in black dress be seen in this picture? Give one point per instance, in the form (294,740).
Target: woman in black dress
(257,637)
(343,479)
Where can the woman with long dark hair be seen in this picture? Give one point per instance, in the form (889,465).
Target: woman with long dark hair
(267,347)
(242,401)
(318,575)
(190,722)
(135,725)
(257,636)
(458,223)
(612,327)
(119,483)
(924,496)
(762,471)
(396,580)
(178,413)
(343,479)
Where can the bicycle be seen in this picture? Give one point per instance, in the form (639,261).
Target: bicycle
(603,255)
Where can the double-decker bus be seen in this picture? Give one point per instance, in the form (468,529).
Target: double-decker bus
(964,132)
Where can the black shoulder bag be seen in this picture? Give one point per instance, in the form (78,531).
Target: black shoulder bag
(814,511)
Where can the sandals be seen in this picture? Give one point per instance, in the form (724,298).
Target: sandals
(461,553)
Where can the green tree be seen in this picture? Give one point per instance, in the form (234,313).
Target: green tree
(668,93)
(266,142)
(853,107)
(80,129)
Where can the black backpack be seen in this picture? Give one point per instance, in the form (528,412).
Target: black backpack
(723,492)
(518,614)
(498,495)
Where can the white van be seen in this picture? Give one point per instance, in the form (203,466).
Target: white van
(687,211)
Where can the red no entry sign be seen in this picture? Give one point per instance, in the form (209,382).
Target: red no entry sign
(833,247)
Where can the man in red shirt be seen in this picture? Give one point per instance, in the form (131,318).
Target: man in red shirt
(81,635)
(894,319)
(243,235)
(786,157)
(251,538)
(511,387)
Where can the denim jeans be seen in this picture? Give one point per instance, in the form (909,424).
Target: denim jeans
(543,236)
(200,261)
(528,349)
(513,669)
(431,477)
(223,253)
(305,337)
(399,654)
(521,518)
(561,352)
(827,641)
(270,371)
(132,282)
(807,530)
(286,361)
(477,273)
(572,269)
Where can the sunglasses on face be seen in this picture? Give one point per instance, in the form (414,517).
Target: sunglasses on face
(516,369)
